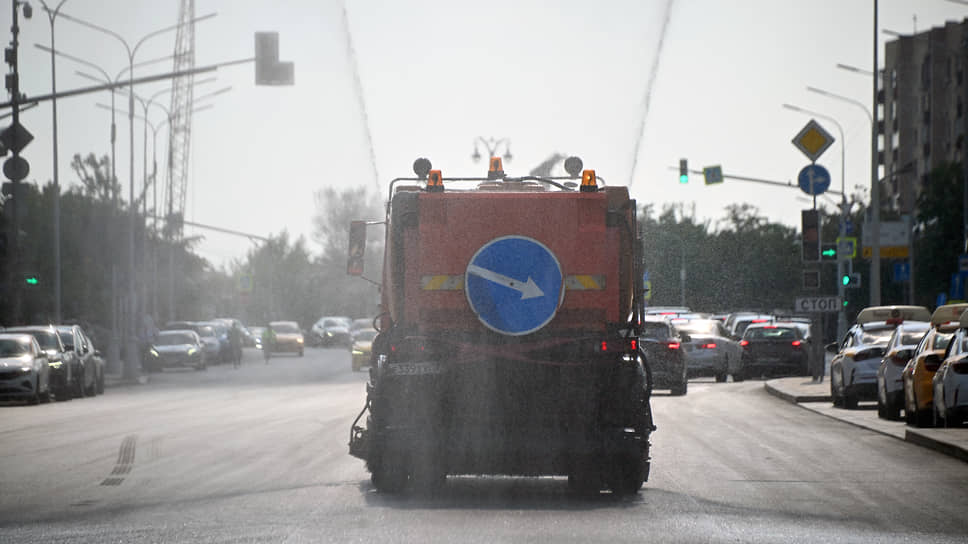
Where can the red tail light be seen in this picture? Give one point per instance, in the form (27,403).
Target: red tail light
(710,345)
(673,345)
(760,321)
(634,344)
(960,367)
(796,344)
(744,343)
(606,346)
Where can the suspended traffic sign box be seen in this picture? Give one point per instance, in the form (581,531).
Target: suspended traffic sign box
(813,140)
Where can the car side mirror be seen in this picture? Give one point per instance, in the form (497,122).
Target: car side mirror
(831,347)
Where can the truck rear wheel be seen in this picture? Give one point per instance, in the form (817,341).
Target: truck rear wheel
(389,477)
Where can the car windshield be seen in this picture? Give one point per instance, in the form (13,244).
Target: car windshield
(365,335)
(877,336)
(174,339)
(67,338)
(771,333)
(10,347)
(655,331)
(286,328)
(47,339)
(700,326)
(911,338)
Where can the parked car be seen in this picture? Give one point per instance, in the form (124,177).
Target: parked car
(24,369)
(362,348)
(890,384)
(178,349)
(853,369)
(918,374)
(88,366)
(774,349)
(332,331)
(288,337)
(361,323)
(62,382)
(710,351)
(662,343)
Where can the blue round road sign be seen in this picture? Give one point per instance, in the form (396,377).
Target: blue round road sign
(514,285)
(814,179)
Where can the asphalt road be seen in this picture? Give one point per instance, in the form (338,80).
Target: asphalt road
(259,455)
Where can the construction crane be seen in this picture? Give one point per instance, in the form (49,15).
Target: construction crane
(180,135)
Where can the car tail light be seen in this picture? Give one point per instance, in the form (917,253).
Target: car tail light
(796,344)
(710,345)
(760,321)
(623,345)
(960,367)
(744,343)
(673,345)
(932,366)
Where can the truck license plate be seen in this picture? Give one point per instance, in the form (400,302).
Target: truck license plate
(413,369)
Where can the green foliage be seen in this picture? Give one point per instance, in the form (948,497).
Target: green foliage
(747,263)
(940,238)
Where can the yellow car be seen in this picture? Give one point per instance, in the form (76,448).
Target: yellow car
(362,347)
(919,372)
(287,337)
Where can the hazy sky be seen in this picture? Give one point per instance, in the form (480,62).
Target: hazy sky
(565,76)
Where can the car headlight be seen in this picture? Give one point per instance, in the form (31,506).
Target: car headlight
(299,340)
(192,351)
(57,364)
(25,369)
(357,352)
(329,333)
(154,352)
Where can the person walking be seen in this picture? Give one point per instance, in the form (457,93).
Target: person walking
(235,345)
(268,339)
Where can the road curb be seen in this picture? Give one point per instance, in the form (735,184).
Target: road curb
(793,397)
(940,446)
(922,438)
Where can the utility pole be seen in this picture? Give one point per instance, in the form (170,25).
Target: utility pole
(875,216)
(15,138)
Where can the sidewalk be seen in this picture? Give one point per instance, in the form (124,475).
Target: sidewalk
(112,380)
(816,398)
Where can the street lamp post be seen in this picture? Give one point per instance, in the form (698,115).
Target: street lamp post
(133,360)
(492,145)
(875,207)
(841,260)
(51,16)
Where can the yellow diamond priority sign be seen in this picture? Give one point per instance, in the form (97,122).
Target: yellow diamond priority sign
(813,140)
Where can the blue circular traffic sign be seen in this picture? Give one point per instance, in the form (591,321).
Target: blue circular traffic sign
(813,179)
(514,285)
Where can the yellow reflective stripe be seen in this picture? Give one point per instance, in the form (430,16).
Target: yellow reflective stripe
(442,282)
(585,282)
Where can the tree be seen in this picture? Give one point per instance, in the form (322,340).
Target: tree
(939,226)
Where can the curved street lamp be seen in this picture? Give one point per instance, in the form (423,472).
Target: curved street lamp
(492,145)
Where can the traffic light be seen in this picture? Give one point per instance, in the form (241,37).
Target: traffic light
(851,280)
(354,262)
(31,279)
(683,171)
(828,252)
(810,228)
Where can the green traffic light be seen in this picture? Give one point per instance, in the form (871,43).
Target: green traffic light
(32,280)
(845,280)
(683,178)
(829,252)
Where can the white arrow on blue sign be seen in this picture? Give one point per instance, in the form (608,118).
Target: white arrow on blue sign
(813,179)
(514,285)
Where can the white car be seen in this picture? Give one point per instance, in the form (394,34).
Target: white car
(950,382)
(890,384)
(24,369)
(710,351)
(853,370)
